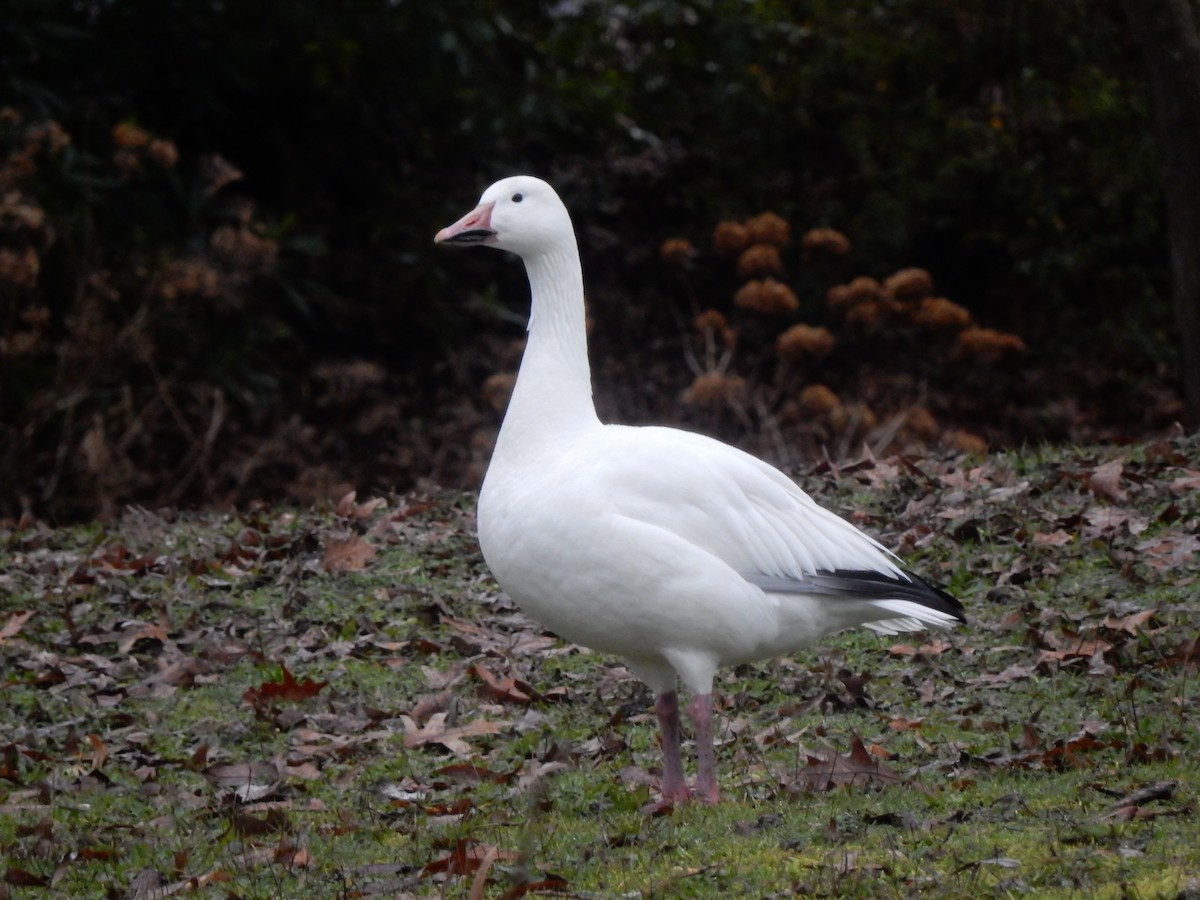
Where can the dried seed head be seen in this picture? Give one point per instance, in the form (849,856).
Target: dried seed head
(909,284)
(986,345)
(761,259)
(126,134)
(803,342)
(768,228)
(940,314)
(712,389)
(767,296)
(824,242)
(818,400)
(730,238)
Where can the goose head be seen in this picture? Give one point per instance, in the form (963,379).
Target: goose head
(521,214)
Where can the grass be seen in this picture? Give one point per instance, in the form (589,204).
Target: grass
(434,742)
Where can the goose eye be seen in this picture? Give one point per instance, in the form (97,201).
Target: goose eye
(517,198)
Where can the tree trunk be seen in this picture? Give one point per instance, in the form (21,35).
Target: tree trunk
(1169,45)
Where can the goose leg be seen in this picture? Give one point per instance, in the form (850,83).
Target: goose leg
(700,709)
(674,788)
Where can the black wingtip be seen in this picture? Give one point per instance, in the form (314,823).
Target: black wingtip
(868,584)
(946,602)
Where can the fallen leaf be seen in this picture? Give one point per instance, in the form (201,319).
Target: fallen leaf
(507,690)
(453,739)
(14,625)
(247,781)
(347,554)
(1130,624)
(466,857)
(859,767)
(23,878)
(1105,480)
(286,689)
(1052,539)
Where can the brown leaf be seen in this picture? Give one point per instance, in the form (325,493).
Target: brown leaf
(14,625)
(348,554)
(466,857)
(934,647)
(1130,624)
(1105,480)
(287,689)
(292,857)
(99,751)
(506,690)
(24,878)
(859,767)
(347,508)
(453,739)
(1188,481)
(1052,539)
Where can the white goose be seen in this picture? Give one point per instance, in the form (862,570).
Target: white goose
(670,549)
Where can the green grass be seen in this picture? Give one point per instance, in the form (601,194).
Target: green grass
(1010,745)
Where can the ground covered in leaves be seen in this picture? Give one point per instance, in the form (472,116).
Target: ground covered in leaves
(340,703)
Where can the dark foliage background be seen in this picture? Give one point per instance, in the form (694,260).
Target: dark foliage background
(218,283)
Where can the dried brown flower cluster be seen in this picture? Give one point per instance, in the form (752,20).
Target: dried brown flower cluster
(135,146)
(768,228)
(767,296)
(714,389)
(19,268)
(188,278)
(25,235)
(817,400)
(940,314)
(801,343)
(986,345)
(241,248)
(730,238)
(677,251)
(824,242)
(40,139)
(909,284)
(905,300)
(905,297)
(759,260)
(755,245)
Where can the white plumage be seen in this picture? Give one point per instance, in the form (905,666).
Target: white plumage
(675,551)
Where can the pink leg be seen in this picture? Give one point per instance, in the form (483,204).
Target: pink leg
(674,788)
(700,710)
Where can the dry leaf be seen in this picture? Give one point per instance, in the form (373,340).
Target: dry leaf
(348,554)
(1105,481)
(859,767)
(1052,539)
(453,739)
(14,625)
(288,688)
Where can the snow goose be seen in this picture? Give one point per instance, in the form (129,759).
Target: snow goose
(670,549)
